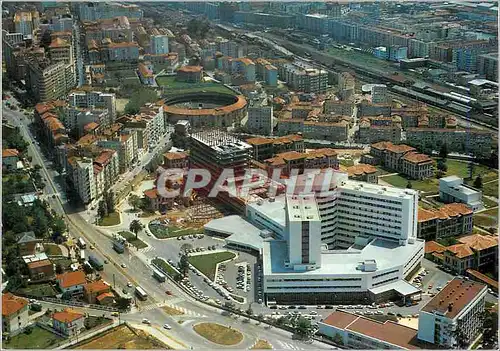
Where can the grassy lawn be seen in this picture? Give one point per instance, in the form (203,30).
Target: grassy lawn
(95,321)
(490,189)
(488,218)
(346,163)
(52,250)
(427,185)
(262,345)
(171,231)
(110,219)
(218,334)
(165,266)
(130,237)
(489,203)
(38,339)
(172,311)
(461,170)
(207,263)
(174,87)
(43,289)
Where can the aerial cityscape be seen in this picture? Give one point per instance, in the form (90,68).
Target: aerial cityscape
(250,175)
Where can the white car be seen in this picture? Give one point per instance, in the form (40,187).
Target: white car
(146,321)
(167,326)
(123,265)
(129,284)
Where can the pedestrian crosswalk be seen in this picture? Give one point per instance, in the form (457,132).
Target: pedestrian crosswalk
(147,249)
(282,345)
(185,311)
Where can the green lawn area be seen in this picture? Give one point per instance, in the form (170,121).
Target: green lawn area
(489,203)
(426,185)
(218,334)
(461,170)
(110,220)
(491,189)
(165,266)
(346,163)
(172,86)
(488,218)
(52,250)
(130,237)
(38,339)
(42,289)
(171,231)
(207,263)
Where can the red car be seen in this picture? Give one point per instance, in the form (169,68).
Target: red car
(168,292)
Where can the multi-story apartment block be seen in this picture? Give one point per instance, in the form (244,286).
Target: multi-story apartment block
(333,131)
(117,29)
(314,159)
(366,108)
(175,160)
(97,11)
(48,81)
(370,132)
(270,75)
(158,43)
(125,144)
(260,119)
(338,107)
(190,74)
(82,101)
(81,172)
(230,48)
(264,148)
(453,189)
(488,66)
(459,306)
(14,314)
(245,67)
(450,220)
(26,22)
(468,141)
(303,78)
(346,84)
(61,50)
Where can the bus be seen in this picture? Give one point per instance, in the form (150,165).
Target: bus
(81,243)
(96,263)
(141,293)
(82,255)
(159,275)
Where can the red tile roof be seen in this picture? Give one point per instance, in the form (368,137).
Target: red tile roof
(104,295)
(11,304)
(10,153)
(67,316)
(104,158)
(69,279)
(479,242)
(175,155)
(97,286)
(190,69)
(454,297)
(460,250)
(151,193)
(433,246)
(39,264)
(415,157)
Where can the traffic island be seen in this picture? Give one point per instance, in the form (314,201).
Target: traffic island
(207,263)
(219,334)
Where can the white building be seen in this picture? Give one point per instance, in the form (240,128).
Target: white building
(159,44)
(68,322)
(453,189)
(366,242)
(83,178)
(303,227)
(81,102)
(459,305)
(14,314)
(304,78)
(71,282)
(260,119)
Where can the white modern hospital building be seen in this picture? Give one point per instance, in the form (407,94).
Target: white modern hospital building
(344,242)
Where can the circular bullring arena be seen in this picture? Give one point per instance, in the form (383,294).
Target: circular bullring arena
(205,109)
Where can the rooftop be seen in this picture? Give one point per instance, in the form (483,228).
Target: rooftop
(67,316)
(479,242)
(239,231)
(360,169)
(454,297)
(433,246)
(97,286)
(10,153)
(415,157)
(190,69)
(39,264)
(445,212)
(388,331)
(11,304)
(70,279)
(175,155)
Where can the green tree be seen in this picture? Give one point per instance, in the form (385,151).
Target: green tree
(260,317)
(122,303)
(109,198)
(58,226)
(135,227)
(409,185)
(478,182)
(135,201)
(102,210)
(303,327)
(440,174)
(441,165)
(139,98)
(184,265)
(249,311)
(443,151)
(40,223)
(490,328)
